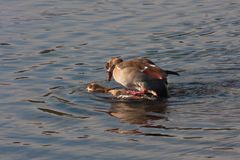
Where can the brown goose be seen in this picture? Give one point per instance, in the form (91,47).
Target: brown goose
(139,74)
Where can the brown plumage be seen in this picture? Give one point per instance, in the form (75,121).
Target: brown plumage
(94,87)
(140,74)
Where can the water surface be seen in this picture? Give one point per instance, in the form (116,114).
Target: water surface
(50,50)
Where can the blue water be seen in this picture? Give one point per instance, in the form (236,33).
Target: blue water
(50,50)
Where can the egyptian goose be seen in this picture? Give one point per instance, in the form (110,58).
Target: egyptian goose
(94,87)
(119,93)
(139,74)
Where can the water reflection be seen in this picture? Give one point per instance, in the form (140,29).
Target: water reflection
(138,112)
(142,113)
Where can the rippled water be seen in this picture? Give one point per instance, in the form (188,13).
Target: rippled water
(50,50)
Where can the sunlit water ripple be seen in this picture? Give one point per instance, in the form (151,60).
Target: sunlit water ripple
(50,50)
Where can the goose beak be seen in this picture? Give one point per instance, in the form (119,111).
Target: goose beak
(109,75)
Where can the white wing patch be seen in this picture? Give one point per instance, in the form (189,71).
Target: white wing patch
(142,70)
(152,65)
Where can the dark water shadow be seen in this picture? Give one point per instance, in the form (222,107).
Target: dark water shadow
(59,113)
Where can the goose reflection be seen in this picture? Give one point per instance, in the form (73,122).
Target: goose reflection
(138,112)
